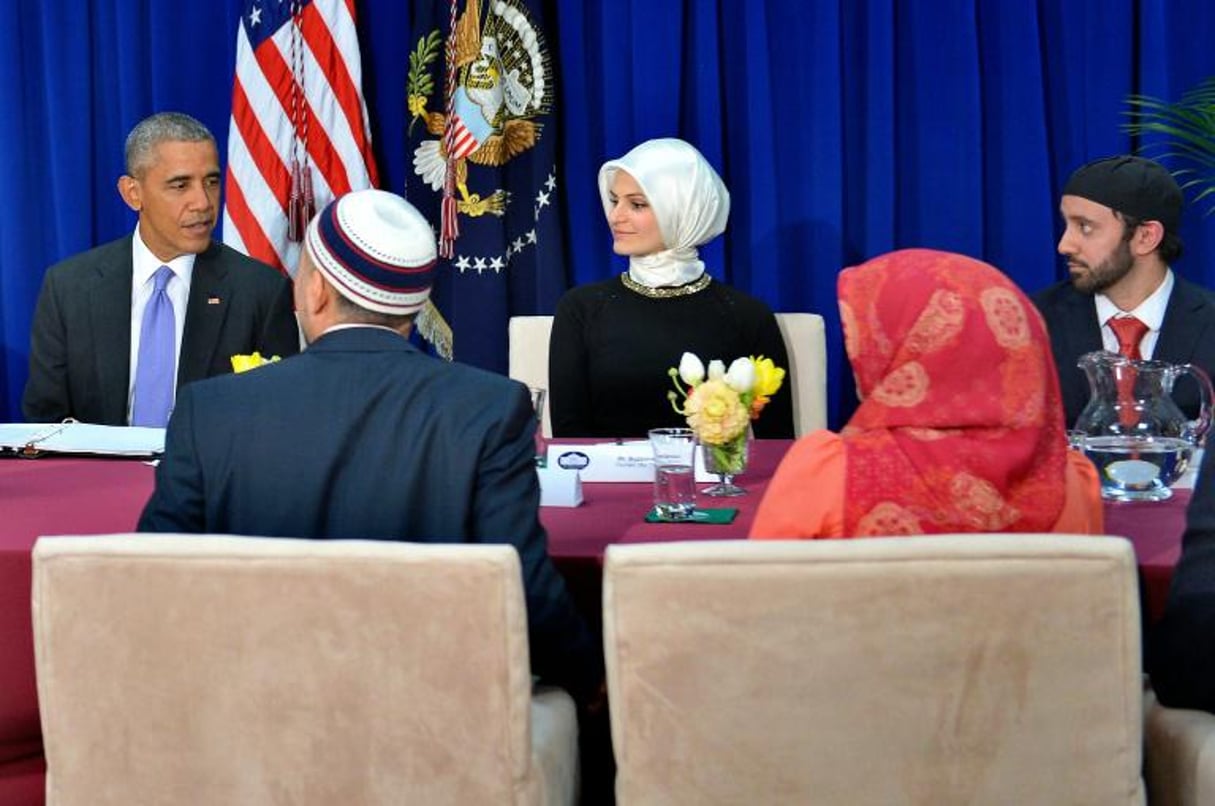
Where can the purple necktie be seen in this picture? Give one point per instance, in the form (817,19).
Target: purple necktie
(155,372)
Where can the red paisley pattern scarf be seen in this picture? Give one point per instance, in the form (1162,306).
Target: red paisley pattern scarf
(960,428)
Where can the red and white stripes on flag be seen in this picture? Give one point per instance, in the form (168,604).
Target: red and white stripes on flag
(297,98)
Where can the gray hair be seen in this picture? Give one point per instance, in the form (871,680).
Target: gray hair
(350,312)
(159,128)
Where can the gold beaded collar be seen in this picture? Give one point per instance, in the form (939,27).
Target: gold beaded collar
(666,292)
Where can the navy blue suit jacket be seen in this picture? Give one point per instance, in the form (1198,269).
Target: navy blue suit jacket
(1181,655)
(1187,336)
(362,436)
(80,342)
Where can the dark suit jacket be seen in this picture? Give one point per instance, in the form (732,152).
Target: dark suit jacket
(1187,336)
(1182,647)
(363,436)
(80,342)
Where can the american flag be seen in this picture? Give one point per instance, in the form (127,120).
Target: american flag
(298,135)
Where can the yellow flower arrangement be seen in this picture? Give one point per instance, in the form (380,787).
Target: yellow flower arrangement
(244,363)
(716,412)
(719,407)
(768,380)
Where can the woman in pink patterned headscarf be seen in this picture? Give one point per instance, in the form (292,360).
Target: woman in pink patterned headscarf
(960,428)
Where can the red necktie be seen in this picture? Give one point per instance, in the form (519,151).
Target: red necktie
(1129,331)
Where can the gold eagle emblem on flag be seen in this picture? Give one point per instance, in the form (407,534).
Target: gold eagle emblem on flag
(498,83)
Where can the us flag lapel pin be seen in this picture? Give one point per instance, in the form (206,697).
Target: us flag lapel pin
(213,300)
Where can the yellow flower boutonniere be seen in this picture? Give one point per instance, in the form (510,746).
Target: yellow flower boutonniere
(244,363)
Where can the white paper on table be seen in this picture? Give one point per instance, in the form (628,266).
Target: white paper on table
(81,438)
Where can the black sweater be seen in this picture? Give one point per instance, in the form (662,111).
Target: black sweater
(611,349)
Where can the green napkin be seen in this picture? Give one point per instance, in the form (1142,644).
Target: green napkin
(717,516)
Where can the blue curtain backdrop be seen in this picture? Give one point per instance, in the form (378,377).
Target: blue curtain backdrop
(843,129)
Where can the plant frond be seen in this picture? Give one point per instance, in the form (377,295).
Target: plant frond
(1186,132)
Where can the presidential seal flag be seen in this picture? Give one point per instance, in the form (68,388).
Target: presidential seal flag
(298,136)
(482,136)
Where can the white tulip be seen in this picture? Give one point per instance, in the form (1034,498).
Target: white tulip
(741,375)
(717,370)
(690,369)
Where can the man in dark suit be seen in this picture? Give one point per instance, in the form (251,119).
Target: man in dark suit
(363,436)
(1121,216)
(86,334)
(1182,646)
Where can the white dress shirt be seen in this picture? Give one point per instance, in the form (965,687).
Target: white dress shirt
(1150,312)
(144,265)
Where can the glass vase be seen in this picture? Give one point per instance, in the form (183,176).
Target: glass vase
(727,461)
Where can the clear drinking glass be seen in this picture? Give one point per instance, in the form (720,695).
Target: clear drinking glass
(674,481)
(538,396)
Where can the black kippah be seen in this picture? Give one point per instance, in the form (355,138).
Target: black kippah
(1131,185)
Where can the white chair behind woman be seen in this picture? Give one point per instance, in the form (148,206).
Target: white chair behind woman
(528,349)
(806,342)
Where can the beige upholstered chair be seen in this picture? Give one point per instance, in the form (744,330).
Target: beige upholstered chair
(1180,748)
(804,341)
(966,669)
(806,344)
(528,363)
(206,670)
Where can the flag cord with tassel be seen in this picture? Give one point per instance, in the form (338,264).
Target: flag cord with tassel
(430,323)
(450,226)
(301,204)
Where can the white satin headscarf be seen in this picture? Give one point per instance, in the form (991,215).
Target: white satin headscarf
(690,204)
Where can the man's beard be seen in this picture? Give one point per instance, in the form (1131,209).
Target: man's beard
(1109,271)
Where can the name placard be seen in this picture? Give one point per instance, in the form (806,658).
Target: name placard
(631,461)
(559,488)
(608,461)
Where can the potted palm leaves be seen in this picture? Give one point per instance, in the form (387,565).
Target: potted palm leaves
(1182,134)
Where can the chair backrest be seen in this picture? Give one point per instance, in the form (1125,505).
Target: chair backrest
(950,669)
(206,669)
(1180,755)
(528,349)
(806,343)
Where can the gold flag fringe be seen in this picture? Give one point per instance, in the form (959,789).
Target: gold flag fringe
(434,328)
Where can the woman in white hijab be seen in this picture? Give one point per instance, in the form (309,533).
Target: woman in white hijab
(613,341)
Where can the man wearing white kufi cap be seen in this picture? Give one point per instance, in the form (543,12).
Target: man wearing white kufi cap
(364,436)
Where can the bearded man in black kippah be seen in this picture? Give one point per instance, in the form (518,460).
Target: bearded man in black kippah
(1121,216)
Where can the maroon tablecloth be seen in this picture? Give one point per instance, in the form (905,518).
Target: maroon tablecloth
(615,513)
(40,497)
(93,496)
(1155,529)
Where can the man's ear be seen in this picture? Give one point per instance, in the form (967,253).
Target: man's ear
(316,290)
(131,192)
(1147,238)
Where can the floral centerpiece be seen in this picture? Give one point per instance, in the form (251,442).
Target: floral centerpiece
(719,406)
(244,363)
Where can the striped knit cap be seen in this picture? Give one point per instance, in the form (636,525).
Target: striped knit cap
(376,250)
